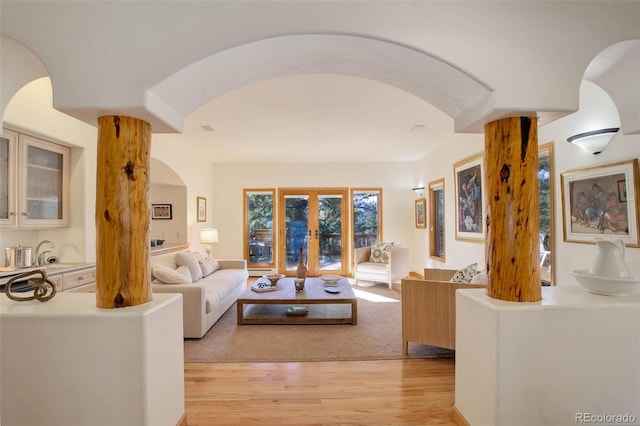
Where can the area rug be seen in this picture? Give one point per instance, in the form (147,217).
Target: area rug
(378,335)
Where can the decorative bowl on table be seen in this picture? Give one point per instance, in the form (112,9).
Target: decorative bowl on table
(607,286)
(330,278)
(273,278)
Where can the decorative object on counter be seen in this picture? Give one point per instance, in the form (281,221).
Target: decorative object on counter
(156,242)
(44,289)
(608,274)
(299,283)
(18,257)
(301,271)
(273,278)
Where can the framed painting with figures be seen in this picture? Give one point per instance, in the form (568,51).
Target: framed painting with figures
(469,187)
(601,202)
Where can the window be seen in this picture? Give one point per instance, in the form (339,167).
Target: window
(436,219)
(367,216)
(258,235)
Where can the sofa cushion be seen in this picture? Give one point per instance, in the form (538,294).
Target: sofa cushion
(372,268)
(208,266)
(380,252)
(166,275)
(465,275)
(186,258)
(220,284)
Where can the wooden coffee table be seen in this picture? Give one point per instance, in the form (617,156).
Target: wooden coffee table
(324,307)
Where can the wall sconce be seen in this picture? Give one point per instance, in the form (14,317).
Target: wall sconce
(418,190)
(208,236)
(595,141)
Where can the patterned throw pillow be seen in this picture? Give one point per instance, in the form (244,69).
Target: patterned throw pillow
(166,275)
(381,252)
(465,275)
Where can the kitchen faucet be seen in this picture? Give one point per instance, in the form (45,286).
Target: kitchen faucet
(39,257)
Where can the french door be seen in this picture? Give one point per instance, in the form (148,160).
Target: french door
(316,221)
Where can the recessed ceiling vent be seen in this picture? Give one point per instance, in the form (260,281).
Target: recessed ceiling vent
(207,128)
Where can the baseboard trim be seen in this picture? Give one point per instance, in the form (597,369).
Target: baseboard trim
(183,420)
(459,418)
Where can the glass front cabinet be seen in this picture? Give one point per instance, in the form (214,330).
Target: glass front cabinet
(34,182)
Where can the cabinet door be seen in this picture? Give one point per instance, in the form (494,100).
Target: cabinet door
(44,199)
(8,175)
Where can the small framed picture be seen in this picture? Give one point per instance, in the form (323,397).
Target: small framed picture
(421,213)
(202,209)
(161,211)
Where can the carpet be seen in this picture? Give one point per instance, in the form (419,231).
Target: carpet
(378,335)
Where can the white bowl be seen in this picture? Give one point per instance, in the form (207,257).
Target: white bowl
(607,286)
(330,278)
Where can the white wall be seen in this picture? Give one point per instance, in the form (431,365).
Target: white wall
(174,230)
(30,111)
(226,205)
(438,165)
(596,111)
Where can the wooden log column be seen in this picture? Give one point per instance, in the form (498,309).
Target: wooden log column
(513,241)
(122,212)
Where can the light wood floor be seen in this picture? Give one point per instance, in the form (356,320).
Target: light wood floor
(390,392)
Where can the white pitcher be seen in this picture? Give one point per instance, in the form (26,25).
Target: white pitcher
(610,259)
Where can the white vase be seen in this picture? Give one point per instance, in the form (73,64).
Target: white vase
(610,259)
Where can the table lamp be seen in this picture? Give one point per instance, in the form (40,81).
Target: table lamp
(208,236)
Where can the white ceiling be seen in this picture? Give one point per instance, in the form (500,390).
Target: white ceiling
(317,118)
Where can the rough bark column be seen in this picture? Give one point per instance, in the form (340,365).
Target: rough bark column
(122,212)
(511,178)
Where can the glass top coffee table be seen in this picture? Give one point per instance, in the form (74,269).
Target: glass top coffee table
(337,307)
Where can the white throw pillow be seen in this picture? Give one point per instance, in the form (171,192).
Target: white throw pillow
(166,275)
(465,275)
(186,258)
(208,266)
(479,278)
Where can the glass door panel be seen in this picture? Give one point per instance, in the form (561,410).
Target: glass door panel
(259,221)
(330,232)
(314,220)
(296,227)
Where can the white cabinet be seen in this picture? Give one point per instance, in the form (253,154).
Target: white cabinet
(83,281)
(8,176)
(34,182)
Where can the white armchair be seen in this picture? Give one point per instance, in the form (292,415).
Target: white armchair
(396,269)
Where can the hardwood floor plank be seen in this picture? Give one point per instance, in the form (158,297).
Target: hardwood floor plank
(398,392)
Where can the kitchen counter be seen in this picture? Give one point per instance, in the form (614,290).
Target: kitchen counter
(51,269)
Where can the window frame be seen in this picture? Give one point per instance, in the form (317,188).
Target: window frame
(435,186)
(274,224)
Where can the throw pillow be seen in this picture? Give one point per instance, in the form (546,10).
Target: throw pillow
(186,258)
(465,275)
(381,252)
(208,266)
(479,278)
(166,275)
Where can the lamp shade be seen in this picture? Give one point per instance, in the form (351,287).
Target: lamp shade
(595,141)
(208,236)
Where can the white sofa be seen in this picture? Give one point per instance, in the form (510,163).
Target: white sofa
(396,268)
(205,299)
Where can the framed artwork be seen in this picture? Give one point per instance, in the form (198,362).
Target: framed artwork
(161,211)
(202,209)
(601,202)
(468,175)
(421,213)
